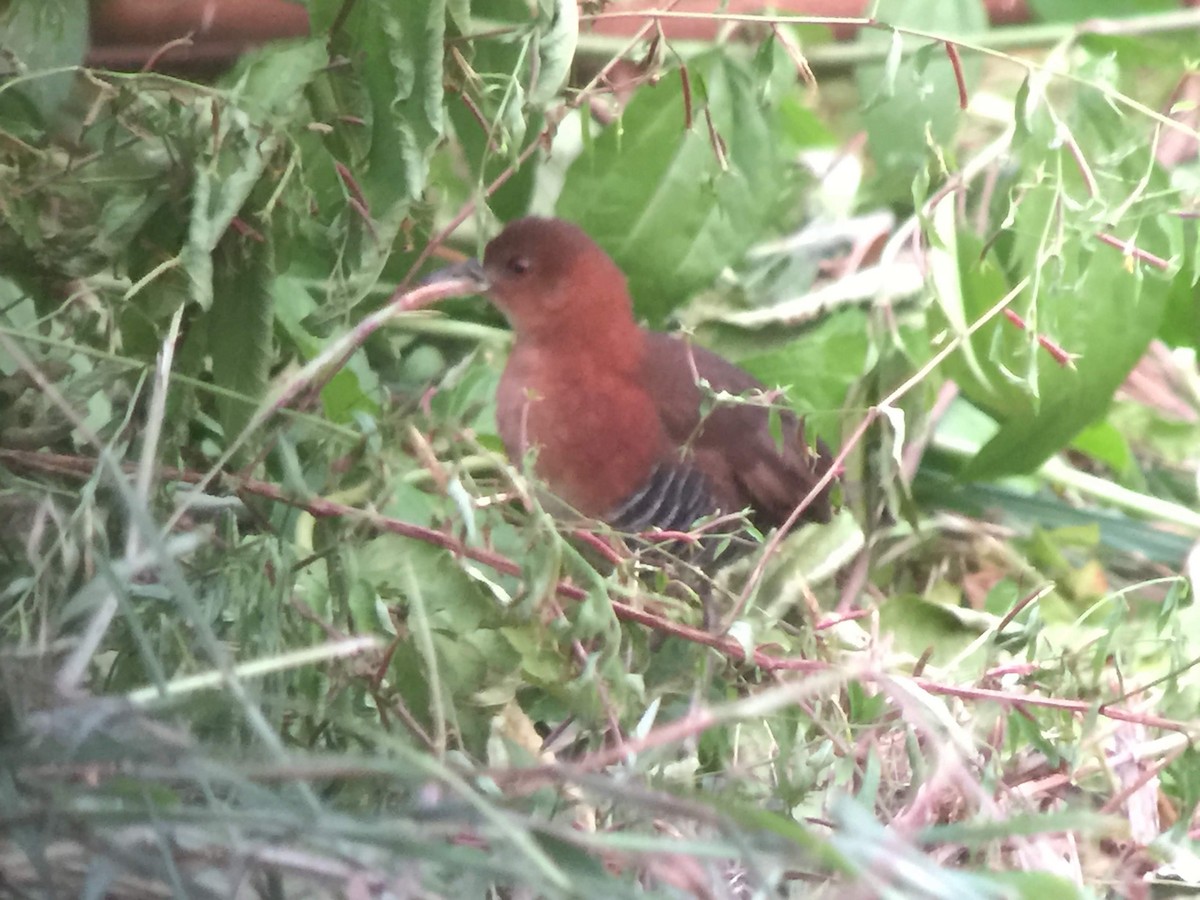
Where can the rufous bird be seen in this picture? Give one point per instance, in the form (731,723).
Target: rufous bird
(615,413)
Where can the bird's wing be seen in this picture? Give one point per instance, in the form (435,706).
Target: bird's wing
(672,498)
(732,443)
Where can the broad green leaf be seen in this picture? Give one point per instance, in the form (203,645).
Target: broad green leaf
(41,35)
(268,89)
(394,55)
(1089,300)
(1085,298)
(912,109)
(555,48)
(270,84)
(382,104)
(675,205)
(1104,442)
(1166,436)
(918,625)
(240,328)
(1181,321)
(492,121)
(222,182)
(442,612)
(961,279)
(1169,51)
(1181,779)
(460,14)
(997,367)
(819,369)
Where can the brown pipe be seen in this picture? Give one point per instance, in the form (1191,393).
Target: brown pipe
(159,21)
(128,33)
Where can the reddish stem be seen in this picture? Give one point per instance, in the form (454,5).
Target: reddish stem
(956,64)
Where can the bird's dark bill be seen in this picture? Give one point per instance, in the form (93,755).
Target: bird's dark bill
(467,270)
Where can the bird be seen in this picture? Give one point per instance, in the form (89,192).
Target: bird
(621,420)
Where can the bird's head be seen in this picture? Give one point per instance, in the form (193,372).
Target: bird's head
(550,280)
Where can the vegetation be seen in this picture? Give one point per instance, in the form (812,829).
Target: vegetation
(278,619)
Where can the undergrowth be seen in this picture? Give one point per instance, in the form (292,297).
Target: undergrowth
(278,619)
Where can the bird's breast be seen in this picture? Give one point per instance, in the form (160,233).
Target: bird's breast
(593,431)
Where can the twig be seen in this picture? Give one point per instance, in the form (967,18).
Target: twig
(729,648)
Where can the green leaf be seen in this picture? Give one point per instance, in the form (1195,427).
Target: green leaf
(965,285)
(918,625)
(976,834)
(1104,442)
(395,49)
(819,369)
(675,205)
(223,180)
(381,105)
(1181,321)
(460,14)
(40,35)
(1084,298)
(1165,51)
(1082,10)
(488,110)
(239,329)
(1108,334)
(555,48)
(269,84)
(914,105)
(1022,508)
(355,386)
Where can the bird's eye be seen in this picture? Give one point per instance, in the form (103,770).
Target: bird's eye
(519,265)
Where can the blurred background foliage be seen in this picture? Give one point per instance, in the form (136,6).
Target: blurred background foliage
(273,626)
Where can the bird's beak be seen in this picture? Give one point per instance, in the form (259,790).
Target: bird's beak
(458,280)
(469,270)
